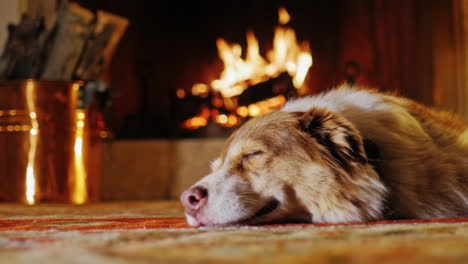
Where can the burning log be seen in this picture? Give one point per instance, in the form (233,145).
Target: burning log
(281,85)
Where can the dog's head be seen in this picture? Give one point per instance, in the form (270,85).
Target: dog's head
(306,166)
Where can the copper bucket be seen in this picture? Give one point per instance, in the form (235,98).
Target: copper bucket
(49,150)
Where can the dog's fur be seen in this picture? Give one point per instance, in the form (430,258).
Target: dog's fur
(345,155)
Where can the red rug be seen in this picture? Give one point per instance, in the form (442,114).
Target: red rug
(156,232)
(104,224)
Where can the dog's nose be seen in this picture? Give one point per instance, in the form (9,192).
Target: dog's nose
(194,199)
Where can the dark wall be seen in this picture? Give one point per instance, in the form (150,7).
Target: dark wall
(171,45)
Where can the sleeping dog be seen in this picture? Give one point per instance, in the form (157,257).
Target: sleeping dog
(347,155)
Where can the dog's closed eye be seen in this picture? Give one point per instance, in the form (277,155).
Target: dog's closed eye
(249,155)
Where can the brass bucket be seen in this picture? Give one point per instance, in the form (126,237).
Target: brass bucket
(49,150)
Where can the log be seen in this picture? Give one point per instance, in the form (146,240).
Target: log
(282,84)
(101,46)
(21,57)
(65,44)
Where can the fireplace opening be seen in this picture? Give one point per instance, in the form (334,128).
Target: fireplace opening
(251,84)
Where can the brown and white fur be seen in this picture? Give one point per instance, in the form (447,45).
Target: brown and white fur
(346,155)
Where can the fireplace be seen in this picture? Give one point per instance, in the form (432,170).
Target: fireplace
(169,60)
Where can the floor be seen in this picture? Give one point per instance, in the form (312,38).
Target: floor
(155,232)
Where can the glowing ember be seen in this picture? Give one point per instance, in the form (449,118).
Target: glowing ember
(199,89)
(180,93)
(198,121)
(243,111)
(222,119)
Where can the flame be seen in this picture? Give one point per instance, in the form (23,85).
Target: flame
(79,193)
(287,55)
(283,16)
(33,134)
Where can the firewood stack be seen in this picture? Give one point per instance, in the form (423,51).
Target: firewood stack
(79,45)
(74,44)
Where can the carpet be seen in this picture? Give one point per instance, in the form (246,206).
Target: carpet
(155,232)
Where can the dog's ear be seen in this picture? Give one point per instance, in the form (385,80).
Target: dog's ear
(337,135)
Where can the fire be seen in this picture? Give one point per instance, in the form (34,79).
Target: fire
(244,70)
(287,55)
